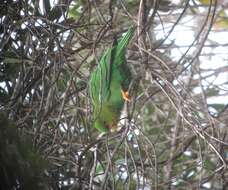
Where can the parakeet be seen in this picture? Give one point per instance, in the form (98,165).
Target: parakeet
(108,85)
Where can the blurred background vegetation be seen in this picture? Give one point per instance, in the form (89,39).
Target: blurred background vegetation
(175,133)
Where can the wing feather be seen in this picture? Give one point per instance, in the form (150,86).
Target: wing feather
(99,85)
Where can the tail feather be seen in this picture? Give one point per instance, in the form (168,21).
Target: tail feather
(121,45)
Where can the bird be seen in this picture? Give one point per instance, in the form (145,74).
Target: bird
(109,83)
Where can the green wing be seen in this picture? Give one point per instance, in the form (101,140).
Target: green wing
(104,79)
(99,85)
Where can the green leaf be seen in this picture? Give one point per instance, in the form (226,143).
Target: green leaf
(55,13)
(212,92)
(209,165)
(12,60)
(74,12)
(207,2)
(218,107)
(154,131)
(99,169)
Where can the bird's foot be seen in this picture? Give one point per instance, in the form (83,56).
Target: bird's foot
(112,127)
(125,95)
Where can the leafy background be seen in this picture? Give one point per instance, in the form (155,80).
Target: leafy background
(175,132)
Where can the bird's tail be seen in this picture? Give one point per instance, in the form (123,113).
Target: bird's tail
(124,41)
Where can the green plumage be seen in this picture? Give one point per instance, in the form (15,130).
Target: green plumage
(110,77)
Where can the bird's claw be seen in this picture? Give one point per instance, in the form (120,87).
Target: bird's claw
(125,96)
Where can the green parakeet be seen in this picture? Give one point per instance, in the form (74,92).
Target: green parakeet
(108,85)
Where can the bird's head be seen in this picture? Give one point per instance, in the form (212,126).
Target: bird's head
(105,127)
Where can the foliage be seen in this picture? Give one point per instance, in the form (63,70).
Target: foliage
(21,166)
